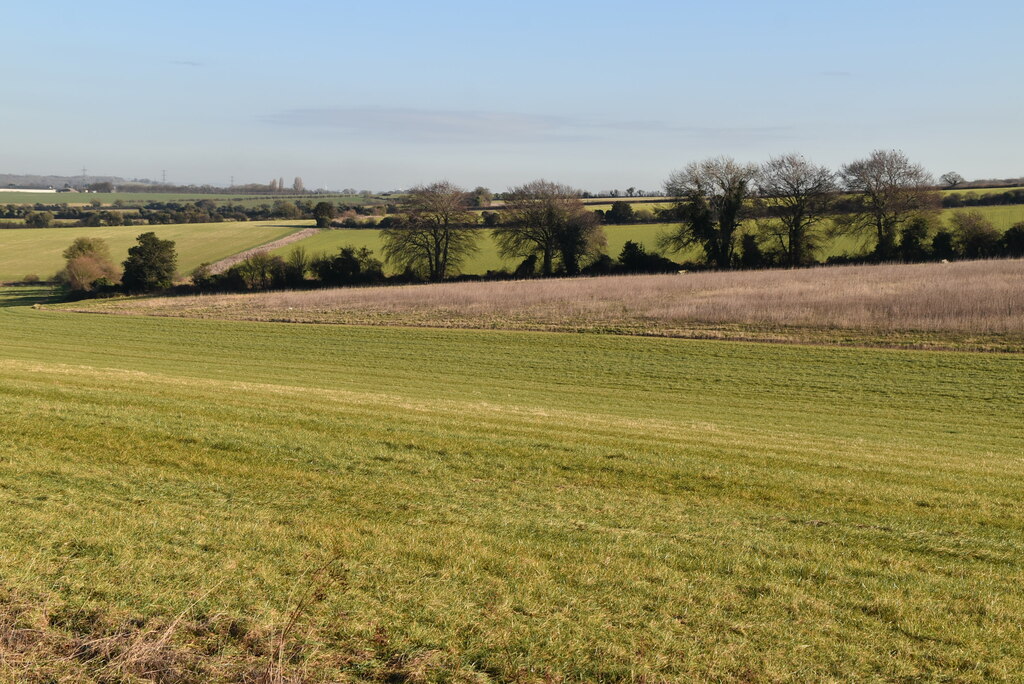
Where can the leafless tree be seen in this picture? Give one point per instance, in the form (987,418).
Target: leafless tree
(794,195)
(710,203)
(889,189)
(548,219)
(436,233)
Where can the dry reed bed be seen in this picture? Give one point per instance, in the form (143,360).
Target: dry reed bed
(968,297)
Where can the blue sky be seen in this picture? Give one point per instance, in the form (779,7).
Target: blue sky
(599,95)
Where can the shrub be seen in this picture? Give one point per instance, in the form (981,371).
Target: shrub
(87,263)
(39,219)
(1013,240)
(975,235)
(86,272)
(942,245)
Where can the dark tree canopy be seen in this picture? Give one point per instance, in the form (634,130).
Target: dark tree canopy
(38,219)
(323,212)
(150,264)
(550,220)
(951,179)
(620,212)
(436,233)
(710,203)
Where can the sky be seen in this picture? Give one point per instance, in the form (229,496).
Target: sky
(597,95)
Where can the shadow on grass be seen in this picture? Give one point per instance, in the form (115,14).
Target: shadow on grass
(27,295)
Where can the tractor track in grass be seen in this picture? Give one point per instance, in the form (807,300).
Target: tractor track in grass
(228,262)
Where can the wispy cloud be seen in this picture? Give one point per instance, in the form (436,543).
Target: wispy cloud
(835,74)
(428,125)
(452,127)
(187,63)
(472,127)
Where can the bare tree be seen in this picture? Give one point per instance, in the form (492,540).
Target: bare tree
(548,219)
(889,189)
(794,196)
(436,233)
(710,202)
(298,185)
(951,179)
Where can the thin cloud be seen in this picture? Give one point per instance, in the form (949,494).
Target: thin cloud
(835,74)
(471,127)
(428,125)
(187,62)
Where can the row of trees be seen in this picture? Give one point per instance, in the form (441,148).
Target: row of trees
(541,219)
(789,196)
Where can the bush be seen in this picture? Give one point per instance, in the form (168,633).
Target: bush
(39,219)
(30,279)
(350,266)
(975,235)
(942,245)
(635,259)
(88,266)
(86,272)
(1013,240)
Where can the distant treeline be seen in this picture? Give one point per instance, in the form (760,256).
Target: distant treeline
(972,199)
(203,211)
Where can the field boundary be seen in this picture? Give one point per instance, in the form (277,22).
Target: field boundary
(227,262)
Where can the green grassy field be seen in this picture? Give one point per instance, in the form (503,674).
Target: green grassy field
(1002,217)
(38,251)
(484,260)
(495,506)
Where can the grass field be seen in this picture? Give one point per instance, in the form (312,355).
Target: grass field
(206,500)
(38,251)
(486,259)
(1001,217)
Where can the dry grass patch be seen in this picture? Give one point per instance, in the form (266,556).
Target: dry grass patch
(970,305)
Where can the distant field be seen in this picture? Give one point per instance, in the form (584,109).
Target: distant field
(196,501)
(980,191)
(963,305)
(38,251)
(485,259)
(1002,217)
(136,198)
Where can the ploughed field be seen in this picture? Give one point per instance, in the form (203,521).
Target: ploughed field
(204,500)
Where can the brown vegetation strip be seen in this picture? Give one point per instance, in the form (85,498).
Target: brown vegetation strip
(225,264)
(970,305)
